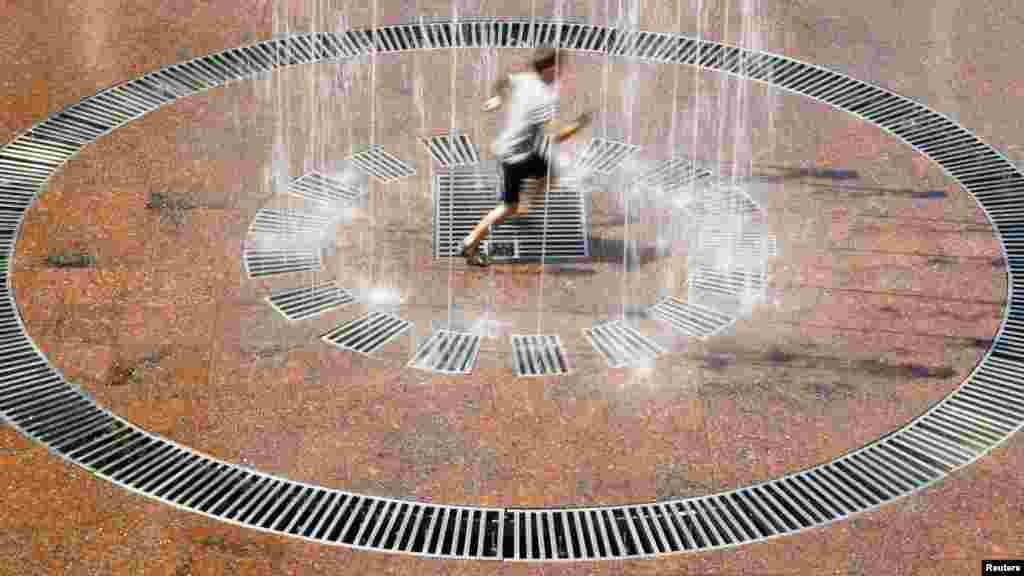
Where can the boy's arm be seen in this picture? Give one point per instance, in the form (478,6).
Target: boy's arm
(563,131)
(500,88)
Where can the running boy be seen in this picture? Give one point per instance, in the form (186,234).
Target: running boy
(523,147)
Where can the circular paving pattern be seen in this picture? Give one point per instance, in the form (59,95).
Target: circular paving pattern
(35,398)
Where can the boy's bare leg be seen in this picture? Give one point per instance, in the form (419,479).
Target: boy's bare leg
(496,216)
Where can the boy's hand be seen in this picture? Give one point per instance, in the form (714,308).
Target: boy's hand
(566,132)
(492,104)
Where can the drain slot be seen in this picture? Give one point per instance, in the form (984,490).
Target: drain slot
(319,188)
(539,355)
(622,345)
(367,334)
(690,319)
(673,175)
(288,222)
(604,156)
(452,149)
(748,243)
(734,282)
(448,352)
(309,301)
(260,262)
(384,167)
(725,201)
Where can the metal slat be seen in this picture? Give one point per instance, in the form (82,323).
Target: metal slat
(720,521)
(304,517)
(329,511)
(348,513)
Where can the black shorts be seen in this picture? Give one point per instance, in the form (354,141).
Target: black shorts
(513,175)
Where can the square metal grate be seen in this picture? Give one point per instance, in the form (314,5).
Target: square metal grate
(724,200)
(621,345)
(539,355)
(448,352)
(735,281)
(319,188)
(462,196)
(750,242)
(376,162)
(288,222)
(604,156)
(452,149)
(690,319)
(674,174)
(367,334)
(309,301)
(261,262)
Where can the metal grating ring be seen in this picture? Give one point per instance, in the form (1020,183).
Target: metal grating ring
(986,409)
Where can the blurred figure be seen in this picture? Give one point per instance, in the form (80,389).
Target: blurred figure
(524,146)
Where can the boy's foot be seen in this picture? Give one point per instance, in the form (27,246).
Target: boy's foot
(475,257)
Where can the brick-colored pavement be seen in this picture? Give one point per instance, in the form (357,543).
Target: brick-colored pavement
(887,288)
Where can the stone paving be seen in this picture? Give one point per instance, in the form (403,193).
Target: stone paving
(888,287)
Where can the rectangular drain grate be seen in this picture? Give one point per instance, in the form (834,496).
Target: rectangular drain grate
(287,222)
(308,301)
(725,200)
(621,345)
(452,149)
(367,334)
(674,174)
(271,261)
(692,320)
(748,242)
(539,355)
(448,352)
(733,282)
(319,188)
(463,196)
(604,156)
(376,162)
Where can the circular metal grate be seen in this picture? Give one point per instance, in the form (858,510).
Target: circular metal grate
(981,413)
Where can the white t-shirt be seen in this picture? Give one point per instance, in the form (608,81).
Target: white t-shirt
(530,104)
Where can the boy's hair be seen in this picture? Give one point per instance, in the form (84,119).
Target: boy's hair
(546,57)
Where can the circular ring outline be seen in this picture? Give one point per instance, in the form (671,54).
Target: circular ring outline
(986,406)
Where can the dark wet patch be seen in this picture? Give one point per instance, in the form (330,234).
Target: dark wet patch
(788,173)
(941,261)
(776,356)
(876,192)
(714,361)
(983,343)
(889,310)
(998,262)
(670,482)
(133,373)
(172,207)
(221,544)
(877,368)
(831,174)
(184,568)
(918,371)
(121,375)
(829,391)
(271,352)
(70,260)
(562,270)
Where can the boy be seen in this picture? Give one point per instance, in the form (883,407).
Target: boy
(523,147)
